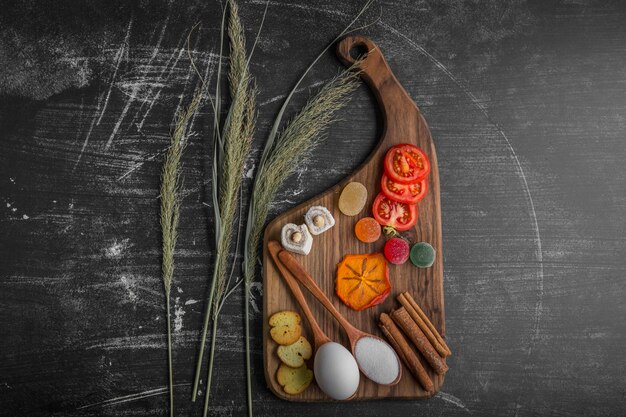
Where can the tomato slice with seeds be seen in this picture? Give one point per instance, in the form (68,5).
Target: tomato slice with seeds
(404,193)
(388,212)
(406,164)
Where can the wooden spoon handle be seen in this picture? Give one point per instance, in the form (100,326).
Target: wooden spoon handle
(398,109)
(318,334)
(305,279)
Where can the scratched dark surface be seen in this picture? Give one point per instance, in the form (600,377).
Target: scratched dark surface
(527,106)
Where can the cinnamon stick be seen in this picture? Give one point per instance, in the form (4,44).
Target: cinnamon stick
(404,351)
(412,330)
(424,324)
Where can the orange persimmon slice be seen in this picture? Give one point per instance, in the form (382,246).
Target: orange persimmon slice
(363,280)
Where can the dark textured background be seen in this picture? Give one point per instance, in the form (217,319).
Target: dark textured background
(527,106)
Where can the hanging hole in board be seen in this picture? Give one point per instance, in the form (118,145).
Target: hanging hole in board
(358,50)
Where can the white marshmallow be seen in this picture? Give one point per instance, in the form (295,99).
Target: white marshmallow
(323,212)
(306,242)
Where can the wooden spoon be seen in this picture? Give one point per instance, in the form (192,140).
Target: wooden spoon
(327,383)
(319,337)
(354,334)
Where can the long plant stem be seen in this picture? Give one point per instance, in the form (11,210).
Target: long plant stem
(232,144)
(257,214)
(169,354)
(248,361)
(170,216)
(295,142)
(217,145)
(209,378)
(230,153)
(205,328)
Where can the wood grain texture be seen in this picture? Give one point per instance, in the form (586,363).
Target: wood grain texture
(402,123)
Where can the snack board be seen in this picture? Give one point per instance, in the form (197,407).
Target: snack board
(403,123)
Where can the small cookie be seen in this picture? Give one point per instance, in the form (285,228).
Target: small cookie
(294,380)
(285,327)
(285,318)
(296,353)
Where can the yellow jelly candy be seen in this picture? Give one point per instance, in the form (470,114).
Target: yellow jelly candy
(352,199)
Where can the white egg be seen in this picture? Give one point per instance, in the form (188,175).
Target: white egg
(336,371)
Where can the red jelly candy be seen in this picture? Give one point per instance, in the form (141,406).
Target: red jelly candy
(397,250)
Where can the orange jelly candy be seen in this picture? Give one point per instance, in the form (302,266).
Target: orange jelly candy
(367,230)
(363,280)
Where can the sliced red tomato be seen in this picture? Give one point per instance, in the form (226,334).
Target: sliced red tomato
(388,212)
(404,193)
(406,164)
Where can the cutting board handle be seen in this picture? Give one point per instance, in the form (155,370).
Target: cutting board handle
(395,103)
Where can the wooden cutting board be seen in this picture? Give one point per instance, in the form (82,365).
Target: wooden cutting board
(403,123)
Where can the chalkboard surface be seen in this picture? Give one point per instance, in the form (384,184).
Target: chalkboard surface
(526,102)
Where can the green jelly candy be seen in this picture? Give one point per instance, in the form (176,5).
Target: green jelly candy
(422,255)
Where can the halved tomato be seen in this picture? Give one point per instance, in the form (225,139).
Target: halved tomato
(406,164)
(404,193)
(388,212)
